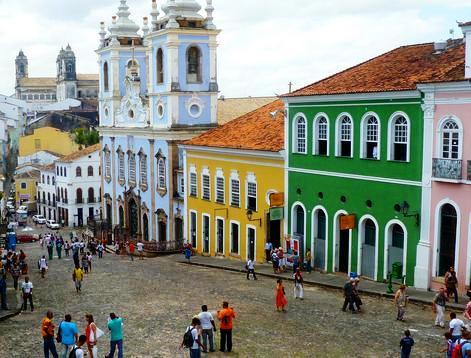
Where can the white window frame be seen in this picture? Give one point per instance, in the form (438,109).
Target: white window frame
(230,236)
(161,178)
(247,243)
(234,177)
(206,215)
(251,179)
(338,135)
(316,131)
(121,167)
(193,173)
(441,133)
(196,227)
(143,182)
(205,174)
(296,139)
(131,169)
(391,135)
(107,160)
(364,135)
(217,190)
(223,235)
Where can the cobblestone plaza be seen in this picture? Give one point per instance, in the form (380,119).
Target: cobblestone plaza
(158,297)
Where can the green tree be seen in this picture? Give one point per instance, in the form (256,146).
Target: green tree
(85,137)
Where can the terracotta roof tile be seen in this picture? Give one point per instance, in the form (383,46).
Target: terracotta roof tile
(79,154)
(398,70)
(257,130)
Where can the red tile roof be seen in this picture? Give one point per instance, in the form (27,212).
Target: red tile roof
(398,70)
(80,153)
(262,129)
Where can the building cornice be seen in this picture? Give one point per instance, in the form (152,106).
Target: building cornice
(462,86)
(237,152)
(152,133)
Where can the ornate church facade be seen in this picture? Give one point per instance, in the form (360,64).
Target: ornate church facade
(67,84)
(158,87)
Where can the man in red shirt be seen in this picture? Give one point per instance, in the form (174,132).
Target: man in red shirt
(131,250)
(226,316)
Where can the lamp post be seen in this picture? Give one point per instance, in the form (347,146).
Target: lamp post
(249,214)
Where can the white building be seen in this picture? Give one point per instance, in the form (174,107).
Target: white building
(78,186)
(46,197)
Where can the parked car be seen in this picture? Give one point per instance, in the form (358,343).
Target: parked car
(51,224)
(26,238)
(39,219)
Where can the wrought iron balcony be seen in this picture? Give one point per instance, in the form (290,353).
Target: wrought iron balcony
(447,168)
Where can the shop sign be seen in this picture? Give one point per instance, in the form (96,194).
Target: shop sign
(276,214)
(348,222)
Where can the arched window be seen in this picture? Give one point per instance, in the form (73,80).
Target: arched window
(450,140)
(321,136)
(132,169)
(53,181)
(161,173)
(65,171)
(370,135)
(299,142)
(106,79)
(399,138)
(48,180)
(78,172)
(160,66)
(57,170)
(90,171)
(91,195)
(193,65)
(42,179)
(107,164)
(79,195)
(344,137)
(142,170)
(65,195)
(121,172)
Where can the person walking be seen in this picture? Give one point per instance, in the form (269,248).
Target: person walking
(91,334)
(348,296)
(50,248)
(298,285)
(47,332)
(308,261)
(356,294)
(275,261)
(451,283)
(67,249)
(456,327)
(438,307)
(3,292)
(191,339)
(27,291)
(400,300)
(208,326)
(43,266)
(406,344)
(68,333)
(280,298)
(140,250)
(225,316)
(59,244)
(295,261)
(77,277)
(250,269)
(268,248)
(467,310)
(115,325)
(89,261)
(85,264)
(131,250)
(15,275)
(100,248)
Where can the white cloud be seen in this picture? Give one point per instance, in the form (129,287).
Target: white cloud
(264,44)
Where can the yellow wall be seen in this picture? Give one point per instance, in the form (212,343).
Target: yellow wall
(31,188)
(269,176)
(47,138)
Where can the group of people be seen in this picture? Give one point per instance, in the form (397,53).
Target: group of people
(199,336)
(73,344)
(129,248)
(352,296)
(15,265)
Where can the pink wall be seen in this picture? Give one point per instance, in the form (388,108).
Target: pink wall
(459,194)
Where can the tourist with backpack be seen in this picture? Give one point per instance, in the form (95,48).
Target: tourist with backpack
(77,351)
(448,348)
(461,347)
(191,339)
(406,344)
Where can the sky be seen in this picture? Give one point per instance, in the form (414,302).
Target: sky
(263,46)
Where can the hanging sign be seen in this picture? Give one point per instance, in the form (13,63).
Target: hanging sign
(348,222)
(276,214)
(277,199)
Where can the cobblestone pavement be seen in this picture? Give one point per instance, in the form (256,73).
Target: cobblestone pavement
(157,298)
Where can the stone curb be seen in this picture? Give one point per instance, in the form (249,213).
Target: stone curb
(412,299)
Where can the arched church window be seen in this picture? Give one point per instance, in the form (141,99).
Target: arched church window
(193,65)
(160,66)
(105,76)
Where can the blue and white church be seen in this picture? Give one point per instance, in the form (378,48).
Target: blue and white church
(158,87)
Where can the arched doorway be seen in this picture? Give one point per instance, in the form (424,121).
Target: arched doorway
(396,241)
(133,217)
(108,212)
(319,237)
(446,249)
(179,229)
(298,228)
(145,227)
(162,225)
(121,217)
(341,246)
(368,236)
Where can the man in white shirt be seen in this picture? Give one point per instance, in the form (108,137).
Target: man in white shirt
(78,347)
(140,250)
(43,265)
(27,290)
(456,327)
(207,326)
(251,269)
(268,248)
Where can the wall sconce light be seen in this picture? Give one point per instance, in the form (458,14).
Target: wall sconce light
(250,217)
(404,210)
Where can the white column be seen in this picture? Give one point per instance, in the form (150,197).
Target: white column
(467,36)
(422,271)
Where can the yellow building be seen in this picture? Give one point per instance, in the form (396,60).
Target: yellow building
(47,138)
(26,185)
(232,173)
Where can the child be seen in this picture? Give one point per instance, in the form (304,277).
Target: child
(449,345)
(406,344)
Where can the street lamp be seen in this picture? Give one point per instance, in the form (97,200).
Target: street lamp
(249,214)
(404,210)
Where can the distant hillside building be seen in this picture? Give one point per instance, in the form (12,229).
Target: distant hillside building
(67,83)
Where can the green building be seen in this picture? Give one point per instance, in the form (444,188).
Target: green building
(354,176)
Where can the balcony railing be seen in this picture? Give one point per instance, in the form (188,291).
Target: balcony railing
(447,169)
